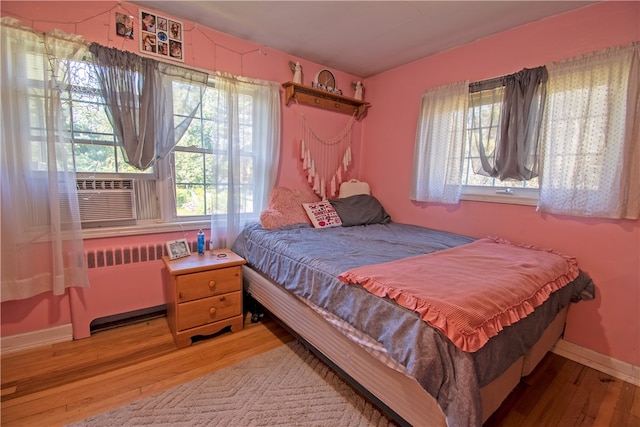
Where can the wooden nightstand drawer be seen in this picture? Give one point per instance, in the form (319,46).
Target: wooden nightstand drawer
(208,283)
(208,310)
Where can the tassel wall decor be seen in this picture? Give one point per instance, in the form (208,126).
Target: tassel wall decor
(325,160)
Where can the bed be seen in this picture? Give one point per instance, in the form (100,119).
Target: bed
(410,368)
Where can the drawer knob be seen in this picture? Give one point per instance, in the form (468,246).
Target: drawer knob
(212,284)
(212,311)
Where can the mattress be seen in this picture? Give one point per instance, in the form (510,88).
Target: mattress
(307,261)
(368,344)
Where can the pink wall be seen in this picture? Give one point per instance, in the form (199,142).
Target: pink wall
(205,49)
(608,250)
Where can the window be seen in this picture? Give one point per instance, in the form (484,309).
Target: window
(584,143)
(201,157)
(188,185)
(590,162)
(193,161)
(488,132)
(483,130)
(94,143)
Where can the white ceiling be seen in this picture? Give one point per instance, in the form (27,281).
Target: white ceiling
(363,38)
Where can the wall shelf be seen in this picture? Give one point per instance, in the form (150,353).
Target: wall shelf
(323,99)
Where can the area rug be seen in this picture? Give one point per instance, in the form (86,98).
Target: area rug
(287,386)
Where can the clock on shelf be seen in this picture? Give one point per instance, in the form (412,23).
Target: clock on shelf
(325,80)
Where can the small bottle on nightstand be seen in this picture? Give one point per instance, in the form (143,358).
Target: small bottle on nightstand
(200,242)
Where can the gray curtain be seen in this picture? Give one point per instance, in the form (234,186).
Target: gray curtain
(140,102)
(510,151)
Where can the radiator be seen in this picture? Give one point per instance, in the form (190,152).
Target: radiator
(124,255)
(124,279)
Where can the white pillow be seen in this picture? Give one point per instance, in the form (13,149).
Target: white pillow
(353,187)
(322,214)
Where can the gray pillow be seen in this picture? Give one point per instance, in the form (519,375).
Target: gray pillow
(361,209)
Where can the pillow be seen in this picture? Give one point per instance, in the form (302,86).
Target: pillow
(322,214)
(353,187)
(361,209)
(285,208)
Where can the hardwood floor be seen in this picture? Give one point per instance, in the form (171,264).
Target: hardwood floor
(65,382)
(61,383)
(564,393)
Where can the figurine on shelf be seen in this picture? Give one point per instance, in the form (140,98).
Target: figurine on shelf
(297,71)
(358,87)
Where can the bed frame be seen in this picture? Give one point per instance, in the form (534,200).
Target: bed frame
(397,394)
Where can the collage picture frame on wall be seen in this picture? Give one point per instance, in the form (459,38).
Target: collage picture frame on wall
(161,36)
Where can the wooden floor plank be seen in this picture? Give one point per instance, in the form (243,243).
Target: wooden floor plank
(622,412)
(575,413)
(591,387)
(609,401)
(635,407)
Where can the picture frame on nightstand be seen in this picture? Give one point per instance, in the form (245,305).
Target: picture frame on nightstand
(178,249)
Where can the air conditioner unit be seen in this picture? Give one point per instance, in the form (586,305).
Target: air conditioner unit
(106,201)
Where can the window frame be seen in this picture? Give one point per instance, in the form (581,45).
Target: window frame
(516,196)
(506,194)
(164,176)
(169,191)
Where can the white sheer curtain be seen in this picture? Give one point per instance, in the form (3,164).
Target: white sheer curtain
(42,247)
(591,154)
(440,140)
(247,163)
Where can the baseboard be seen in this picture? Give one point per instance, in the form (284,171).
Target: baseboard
(603,363)
(35,339)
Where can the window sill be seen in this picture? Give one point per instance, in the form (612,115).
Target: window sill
(520,196)
(146,228)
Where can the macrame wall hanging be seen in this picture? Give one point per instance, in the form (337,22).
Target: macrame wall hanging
(325,160)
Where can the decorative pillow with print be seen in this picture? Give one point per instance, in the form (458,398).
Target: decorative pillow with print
(322,214)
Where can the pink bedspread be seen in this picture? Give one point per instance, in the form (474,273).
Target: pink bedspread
(470,292)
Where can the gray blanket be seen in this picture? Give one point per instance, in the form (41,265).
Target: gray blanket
(307,261)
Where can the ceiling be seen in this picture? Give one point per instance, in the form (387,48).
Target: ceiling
(363,38)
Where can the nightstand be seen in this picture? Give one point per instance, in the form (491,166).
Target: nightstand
(203,294)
